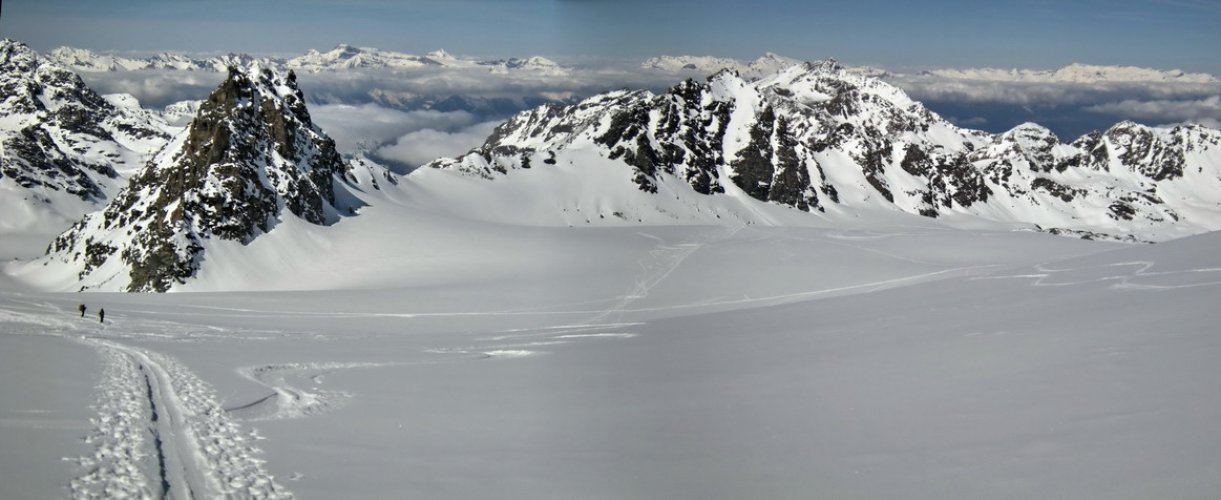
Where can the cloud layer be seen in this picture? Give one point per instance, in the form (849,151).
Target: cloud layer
(422,146)
(446,111)
(367,126)
(1069,109)
(1205,111)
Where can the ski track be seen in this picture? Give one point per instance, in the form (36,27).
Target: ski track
(159,431)
(1138,278)
(287,399)
(657,266)
(169,416)
(117,468)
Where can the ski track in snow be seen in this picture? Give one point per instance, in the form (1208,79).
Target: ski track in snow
(199,452)
(287,399)
(655,267)
(119,437)
(659,264)
(1138,278)
(159,431)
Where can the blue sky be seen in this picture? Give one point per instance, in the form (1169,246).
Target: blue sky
(1165,34)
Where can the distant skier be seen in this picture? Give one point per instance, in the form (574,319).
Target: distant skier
(101,315)
(81,308)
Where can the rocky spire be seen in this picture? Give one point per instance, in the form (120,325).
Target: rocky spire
(250,155)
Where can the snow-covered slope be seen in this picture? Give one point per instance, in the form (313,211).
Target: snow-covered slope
(445,358)
(250,159)
(64,149)
(821,139)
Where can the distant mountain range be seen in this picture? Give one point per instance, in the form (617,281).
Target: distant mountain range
(1072,74)
(1077,73)
(342,57)
(810,143)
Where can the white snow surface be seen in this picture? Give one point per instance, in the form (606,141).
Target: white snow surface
(416,351)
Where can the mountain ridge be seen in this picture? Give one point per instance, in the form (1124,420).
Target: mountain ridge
(815,136)
(812,143)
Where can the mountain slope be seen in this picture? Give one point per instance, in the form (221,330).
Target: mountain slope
(819,138)
(64,149)
(251,157)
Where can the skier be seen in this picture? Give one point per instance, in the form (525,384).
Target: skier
(101,315)
(81,308)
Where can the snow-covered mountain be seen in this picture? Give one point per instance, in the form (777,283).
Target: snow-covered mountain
(90,61)
(64,149)
(536,64)
(766,64)
(345,56)
(821,139)
(250,159)
(342,57)
(1077,73)
(810,144)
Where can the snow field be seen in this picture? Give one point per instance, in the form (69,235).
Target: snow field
(921,362)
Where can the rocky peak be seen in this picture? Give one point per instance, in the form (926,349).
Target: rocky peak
(250,154)
(829,65)
(1033,140)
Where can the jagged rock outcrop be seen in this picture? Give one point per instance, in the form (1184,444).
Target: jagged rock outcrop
(59,140)
(818,138)
(250,157)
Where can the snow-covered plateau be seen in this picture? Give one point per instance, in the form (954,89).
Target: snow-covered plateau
(911,361)
(800,286)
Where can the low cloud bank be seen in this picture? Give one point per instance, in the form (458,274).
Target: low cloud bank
(445,110)
(1069,109)
(416,148)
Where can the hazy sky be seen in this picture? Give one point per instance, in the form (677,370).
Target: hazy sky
(1164,34)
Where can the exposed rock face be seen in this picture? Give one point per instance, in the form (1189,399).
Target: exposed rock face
(816,137)
(251,153)
(59,137)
